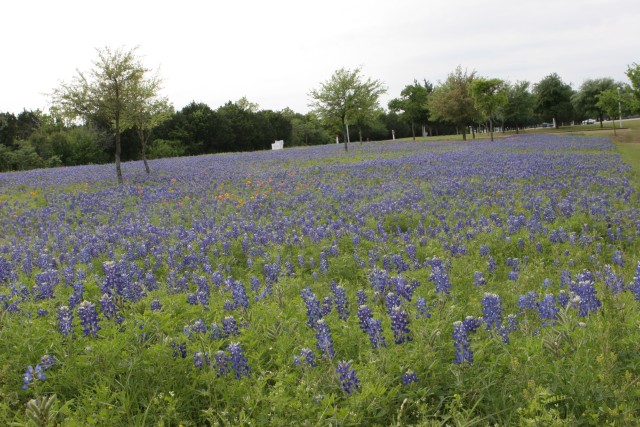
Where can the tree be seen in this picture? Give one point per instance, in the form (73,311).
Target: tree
(489,95)
(609,102)
(519,108)
(585,100)
(110,93)
(452,101)
(148,111)
(412,104)
(553,98)
(346,98)
(633,73)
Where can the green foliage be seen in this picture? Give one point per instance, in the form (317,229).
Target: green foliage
(633,73)
(346,99)
(489,96)
(116,93)
(585,100)
(518,111)
(412,104)
(161,148)
(553,99)
(452,100)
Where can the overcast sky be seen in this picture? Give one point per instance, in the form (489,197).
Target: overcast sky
(274,52)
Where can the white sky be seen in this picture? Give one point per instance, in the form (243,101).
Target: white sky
(274,52)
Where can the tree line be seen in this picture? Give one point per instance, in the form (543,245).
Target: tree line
(116,108)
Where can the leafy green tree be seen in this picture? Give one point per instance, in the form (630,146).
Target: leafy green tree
(585,100)
(149,109)
(452,100)
(553,99)
(306,129)
(110,93)
(346,98)
(8,129)
(489,95)
(633,73)
(412,104)
(519,108)
(609,102)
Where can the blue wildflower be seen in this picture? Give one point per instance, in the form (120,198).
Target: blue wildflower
(314,313)
(400,325)
(409,377)
(305,358)
(422,308)
(348,378)
(342,304)
(492,310)
(324,339)
(89,318)
(239,362)
(65,321)
(221,363)
(230,326)
(156,305)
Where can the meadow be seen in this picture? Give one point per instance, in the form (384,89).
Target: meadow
(401,283)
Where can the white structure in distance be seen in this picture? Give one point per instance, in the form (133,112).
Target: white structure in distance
(278,145)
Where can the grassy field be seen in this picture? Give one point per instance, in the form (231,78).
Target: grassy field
(411,283)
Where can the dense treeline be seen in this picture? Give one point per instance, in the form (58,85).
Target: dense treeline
(464,103)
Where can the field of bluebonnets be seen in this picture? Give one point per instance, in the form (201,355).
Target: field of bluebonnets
(400,283)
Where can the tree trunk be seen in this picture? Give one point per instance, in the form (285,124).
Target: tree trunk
(413,131)
(491,128)
(118,150)
(464,133)
(517,128)
(346,139)
(143,140)
(613,122)
(600,116)
(360,134)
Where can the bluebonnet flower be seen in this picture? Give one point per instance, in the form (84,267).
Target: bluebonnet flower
(618,258)
(563,299)
(326,307)
(342,304)
(399,263)
(156,305)
(361,297)
(271,272)
(513,275)
(565,278)
(485,250)
(324,264)
(409,377)
(76,296)
(216,331)
(305,358)
(27,377)
(613,281)
(65,321)
(411,252)
(492,310)
(379,280)
(348,378)
(547,282)
(548,309)
(203,292)
(539,247)
(478,279)
(255,284)
(45,284)
(585,291)
(200,359)
(422,308)
(230,326)
(491,265)
(461,343)
(440,278)
(510,325)
(89,318)
(528,301)
(634,286)
(239,362)
(42,312)
(221,363)
(179,350)
(240,298)
(314,312)
(325,341)
(47,362)
(199,326)
(192,299)
(400,325)
(392,300)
